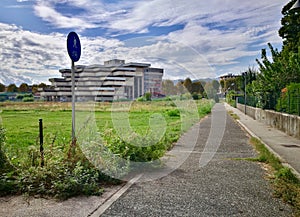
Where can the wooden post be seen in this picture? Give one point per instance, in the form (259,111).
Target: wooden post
(41,142)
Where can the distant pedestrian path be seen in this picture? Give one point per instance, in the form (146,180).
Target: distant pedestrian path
(221,186)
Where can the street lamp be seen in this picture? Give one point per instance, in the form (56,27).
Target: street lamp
(296,5)
(245,99)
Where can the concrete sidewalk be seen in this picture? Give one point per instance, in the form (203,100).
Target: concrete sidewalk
(285,147)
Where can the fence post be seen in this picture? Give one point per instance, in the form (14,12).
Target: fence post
(41,142)
(288,111)
(298,101)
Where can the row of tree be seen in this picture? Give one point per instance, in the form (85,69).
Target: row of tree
(23,88)
(203,88)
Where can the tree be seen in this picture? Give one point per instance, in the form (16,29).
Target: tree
(188,84)
(290,29)
(250,76)
(284,68)
(197,87)
(168,87)
(180,88)
(231,84)
(34,88)
(42,85)
(12,88)
(210,90)
(2,87)
(283,65)
(216,85)
(23,88)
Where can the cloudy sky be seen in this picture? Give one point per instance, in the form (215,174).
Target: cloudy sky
(191,38)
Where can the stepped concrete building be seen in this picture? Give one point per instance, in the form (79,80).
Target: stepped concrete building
(114,80)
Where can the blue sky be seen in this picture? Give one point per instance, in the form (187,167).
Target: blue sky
(191,38)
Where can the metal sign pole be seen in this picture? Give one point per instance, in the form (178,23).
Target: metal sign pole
(74,51)
(73,100)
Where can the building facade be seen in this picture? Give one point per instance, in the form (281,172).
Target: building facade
(115,80)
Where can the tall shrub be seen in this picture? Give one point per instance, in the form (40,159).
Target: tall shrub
(289,100)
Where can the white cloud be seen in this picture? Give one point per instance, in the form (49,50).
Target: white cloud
(215,36)
(37,57)
(49,14)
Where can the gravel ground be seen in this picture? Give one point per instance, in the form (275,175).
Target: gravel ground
(224,187)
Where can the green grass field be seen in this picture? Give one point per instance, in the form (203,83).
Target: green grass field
(21,124)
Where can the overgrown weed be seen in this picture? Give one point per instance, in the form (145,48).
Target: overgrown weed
(286,184)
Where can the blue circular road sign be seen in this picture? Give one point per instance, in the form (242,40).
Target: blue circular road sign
(74,47)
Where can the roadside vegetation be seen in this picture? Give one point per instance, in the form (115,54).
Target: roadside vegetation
(275,82)
(233,115)
(66,171)
(286,185)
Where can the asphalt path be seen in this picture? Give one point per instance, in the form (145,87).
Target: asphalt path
(210,182)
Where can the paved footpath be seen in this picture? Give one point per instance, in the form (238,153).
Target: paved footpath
(287,148)
(223,187)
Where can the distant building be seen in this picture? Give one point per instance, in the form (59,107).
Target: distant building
(228,76)
(112,81)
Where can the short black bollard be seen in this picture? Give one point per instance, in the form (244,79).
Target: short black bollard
(41,142)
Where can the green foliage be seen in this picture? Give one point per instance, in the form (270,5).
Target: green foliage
(231,84)
(204,107)
(141,99)
(188,85)
(143,152)
(23,88)
(197,87)
(289,101)
(196,96)
(5,165)
(215,85)
(58,179)
(28,99)
(290,29)
(148,96)
(284,64)
(168,88)
(173,113)
(6,184)
(231,98)
(12,88)
(270,80)
(62,177)
(2,87)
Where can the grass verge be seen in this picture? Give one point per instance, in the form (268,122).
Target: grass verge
(233,115)
(286,185)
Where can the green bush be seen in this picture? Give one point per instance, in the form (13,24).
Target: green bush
(230,98)
(20,96)
(141,99)
(173,113)
(195,96)
(289,101)
(28,99)
(148,96)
